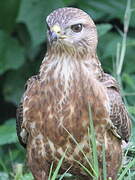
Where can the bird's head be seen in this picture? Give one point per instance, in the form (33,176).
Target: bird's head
(72,30)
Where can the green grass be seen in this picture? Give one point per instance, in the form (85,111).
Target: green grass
(12,164)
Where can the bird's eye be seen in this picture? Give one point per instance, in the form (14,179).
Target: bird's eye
(76,28)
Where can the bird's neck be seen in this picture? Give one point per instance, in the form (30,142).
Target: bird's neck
(67,67)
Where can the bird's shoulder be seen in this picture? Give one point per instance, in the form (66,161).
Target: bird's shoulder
(19,112)
(31,80)
(118,112)
(110,82)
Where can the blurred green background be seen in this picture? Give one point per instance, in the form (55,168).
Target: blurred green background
(23,46)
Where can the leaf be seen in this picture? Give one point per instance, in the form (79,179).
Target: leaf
(36,11)
(8,132)
(91,11)
(130,42)
(130,164)
(103,29)
(129,80)
(131,109)
(129,61)
(108,45)
(129,87)
(8,13)
(69,2)
(14,87)
(55,173)
(4,176)
(11,53)
(27,176)
(92,137)
(106,9)
(15,81)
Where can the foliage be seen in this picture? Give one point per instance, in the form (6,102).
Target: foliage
(8,132)
(22,47)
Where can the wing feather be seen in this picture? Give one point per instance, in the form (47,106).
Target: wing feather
(118,112)
(19,112)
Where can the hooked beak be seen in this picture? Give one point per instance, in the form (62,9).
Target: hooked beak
(55,33)
(53,36)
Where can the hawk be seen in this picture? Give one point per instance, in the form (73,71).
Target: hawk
(54,108)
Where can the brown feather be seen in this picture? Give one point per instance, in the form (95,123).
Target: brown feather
(57,102)
(118,112)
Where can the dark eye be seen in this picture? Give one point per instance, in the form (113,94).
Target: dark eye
(76,28)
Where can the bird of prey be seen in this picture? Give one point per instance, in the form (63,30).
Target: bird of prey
(53,116)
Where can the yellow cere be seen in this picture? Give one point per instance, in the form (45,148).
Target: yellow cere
(56,29)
